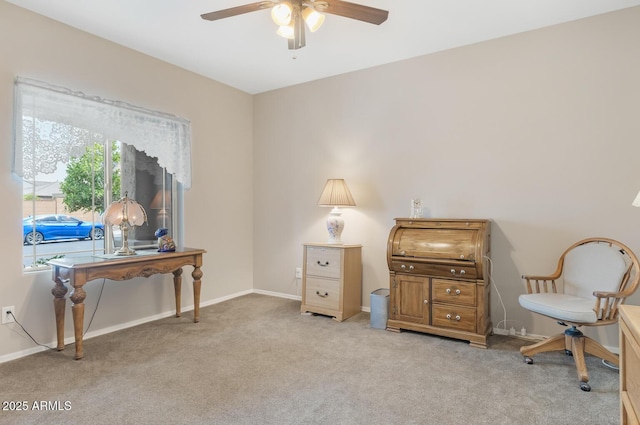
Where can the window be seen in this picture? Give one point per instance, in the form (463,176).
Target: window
(77,154)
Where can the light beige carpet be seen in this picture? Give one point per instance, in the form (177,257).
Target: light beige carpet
(256,360)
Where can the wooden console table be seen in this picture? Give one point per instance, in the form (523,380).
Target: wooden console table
(79,270)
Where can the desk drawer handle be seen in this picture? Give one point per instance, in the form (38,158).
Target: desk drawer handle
(323,264)
(457,291)
(457,318)
(453,272)
(326,294)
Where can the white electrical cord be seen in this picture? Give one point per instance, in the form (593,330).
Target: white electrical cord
(504,309)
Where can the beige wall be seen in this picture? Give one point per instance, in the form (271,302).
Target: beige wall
(537,131)
(216,218)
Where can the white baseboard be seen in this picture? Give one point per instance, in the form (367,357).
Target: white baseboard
(527,337)
(277,294)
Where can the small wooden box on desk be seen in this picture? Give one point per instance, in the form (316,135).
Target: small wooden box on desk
(332,280)
(629,364)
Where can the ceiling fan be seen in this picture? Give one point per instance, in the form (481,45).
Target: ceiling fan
(291,15)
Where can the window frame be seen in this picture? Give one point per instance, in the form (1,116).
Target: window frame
(152,132)
(109,241)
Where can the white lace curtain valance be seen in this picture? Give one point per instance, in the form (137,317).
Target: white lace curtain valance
(75,121)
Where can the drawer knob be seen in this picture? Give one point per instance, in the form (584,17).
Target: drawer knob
(411,267)
(453,272)
(403,267)
(325,264)
(326,294)
(456,318)
(426,301)
(449,291)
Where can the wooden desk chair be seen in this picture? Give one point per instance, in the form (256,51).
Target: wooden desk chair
(594,277)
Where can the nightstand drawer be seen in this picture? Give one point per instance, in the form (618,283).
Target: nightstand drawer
(454,317)
(323,293)
(324,262)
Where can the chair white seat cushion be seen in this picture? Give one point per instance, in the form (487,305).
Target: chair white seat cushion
(561,307)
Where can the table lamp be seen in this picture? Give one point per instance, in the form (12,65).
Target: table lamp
(335,194)
(126,213)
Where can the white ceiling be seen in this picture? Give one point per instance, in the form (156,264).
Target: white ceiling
(245,52)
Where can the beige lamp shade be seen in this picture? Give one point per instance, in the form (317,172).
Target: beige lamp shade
(125,207)
(336,194)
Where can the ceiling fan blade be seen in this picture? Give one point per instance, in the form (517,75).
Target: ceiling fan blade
(238,10)
(355,11)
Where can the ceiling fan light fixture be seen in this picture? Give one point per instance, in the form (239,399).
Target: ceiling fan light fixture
(291,16)
(312,18)
(286,31)
(281,13)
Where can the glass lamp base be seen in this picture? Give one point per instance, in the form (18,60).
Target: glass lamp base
(125,251)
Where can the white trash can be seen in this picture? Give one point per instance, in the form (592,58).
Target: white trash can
(379,308)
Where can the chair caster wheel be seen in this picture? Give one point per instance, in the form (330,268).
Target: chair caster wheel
(528,360)
(585,386)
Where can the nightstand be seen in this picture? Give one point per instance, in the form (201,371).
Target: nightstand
(332,280)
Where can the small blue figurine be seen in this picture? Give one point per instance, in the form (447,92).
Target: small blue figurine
(165,242)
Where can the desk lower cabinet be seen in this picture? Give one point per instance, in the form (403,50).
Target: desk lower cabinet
(629,364)
(332,280)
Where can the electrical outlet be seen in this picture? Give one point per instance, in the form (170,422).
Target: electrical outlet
(6,317)
(298,273)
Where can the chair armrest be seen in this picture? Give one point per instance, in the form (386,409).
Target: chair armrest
(607,304)
(538,284)
(534,277)
(600,294)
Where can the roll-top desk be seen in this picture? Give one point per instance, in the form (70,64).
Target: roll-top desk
(438,280)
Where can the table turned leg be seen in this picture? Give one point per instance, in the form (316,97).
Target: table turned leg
(59,292)
(197,275)
(77,297)
(177,287)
